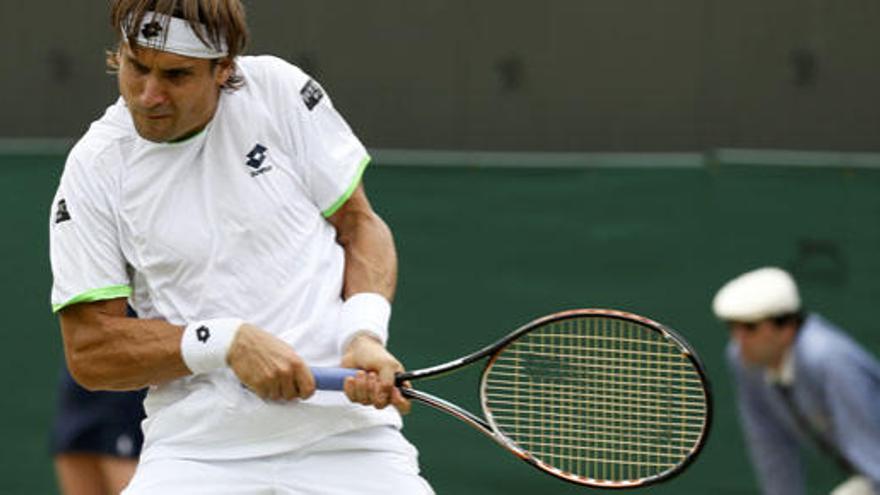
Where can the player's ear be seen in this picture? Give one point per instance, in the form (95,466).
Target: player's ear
(112,59)
(223,72)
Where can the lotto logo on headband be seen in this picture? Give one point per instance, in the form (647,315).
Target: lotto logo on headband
(179,37)
(151,30)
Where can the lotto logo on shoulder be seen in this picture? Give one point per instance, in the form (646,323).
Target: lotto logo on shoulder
(61,213)
(311,94)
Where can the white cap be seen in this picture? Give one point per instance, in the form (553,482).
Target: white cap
(757,295)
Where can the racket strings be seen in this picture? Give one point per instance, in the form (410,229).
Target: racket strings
(598,398)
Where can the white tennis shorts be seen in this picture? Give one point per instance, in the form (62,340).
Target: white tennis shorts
(377,460)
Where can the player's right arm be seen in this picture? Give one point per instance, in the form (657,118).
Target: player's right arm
(106,350)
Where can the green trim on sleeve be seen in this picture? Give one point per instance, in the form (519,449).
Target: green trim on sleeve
(348,192)
(113,292)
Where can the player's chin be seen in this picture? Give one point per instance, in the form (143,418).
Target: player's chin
(155,130)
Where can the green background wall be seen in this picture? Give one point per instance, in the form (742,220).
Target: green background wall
(484,249)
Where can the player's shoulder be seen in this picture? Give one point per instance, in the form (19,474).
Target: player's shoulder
(269,69)
(100,147)
(275,81)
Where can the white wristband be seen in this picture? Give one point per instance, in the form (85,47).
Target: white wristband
(364,313)
(204,344)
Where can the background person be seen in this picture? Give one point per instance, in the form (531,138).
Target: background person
(799,379)
(95,438)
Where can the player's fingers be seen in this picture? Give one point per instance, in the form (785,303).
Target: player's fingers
(348,387)
(305,381)
(263,391)
(386,383)
(401,403)
(289,389)
(274,390)
(370,389)
(355,388)
(381,395)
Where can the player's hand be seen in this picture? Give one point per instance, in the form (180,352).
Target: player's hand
(374,385)
(268,366)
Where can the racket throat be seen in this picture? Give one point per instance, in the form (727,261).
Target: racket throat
(448,407)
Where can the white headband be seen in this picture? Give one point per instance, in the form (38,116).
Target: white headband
(174,35)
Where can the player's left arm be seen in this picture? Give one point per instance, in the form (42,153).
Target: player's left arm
(370,256)
(370,267)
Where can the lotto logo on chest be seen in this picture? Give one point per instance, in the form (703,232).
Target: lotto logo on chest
(255,159)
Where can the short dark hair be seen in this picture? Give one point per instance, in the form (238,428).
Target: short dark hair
(213,21)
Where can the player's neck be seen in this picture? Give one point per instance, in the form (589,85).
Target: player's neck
(188,135)
(198,129)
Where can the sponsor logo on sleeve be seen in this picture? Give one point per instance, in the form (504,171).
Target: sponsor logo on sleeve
(311,94)
(61,213)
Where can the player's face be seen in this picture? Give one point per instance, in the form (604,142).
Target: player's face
(169,96)
(762,343)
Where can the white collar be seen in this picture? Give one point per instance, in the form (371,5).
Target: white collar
(784,375)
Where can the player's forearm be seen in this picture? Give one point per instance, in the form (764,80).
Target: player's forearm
(108,352)
(370,256)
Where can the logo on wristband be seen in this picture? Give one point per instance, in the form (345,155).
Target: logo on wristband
(203,334)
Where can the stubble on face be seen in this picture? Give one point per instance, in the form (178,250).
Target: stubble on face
(169,96)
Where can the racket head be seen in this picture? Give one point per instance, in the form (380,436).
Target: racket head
(598,397)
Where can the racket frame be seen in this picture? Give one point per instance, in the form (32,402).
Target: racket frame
(488,426)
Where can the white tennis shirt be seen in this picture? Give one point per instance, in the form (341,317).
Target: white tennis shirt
(229,223)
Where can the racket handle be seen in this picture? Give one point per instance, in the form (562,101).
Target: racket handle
(327,378)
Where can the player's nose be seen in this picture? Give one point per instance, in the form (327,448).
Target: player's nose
(153,93)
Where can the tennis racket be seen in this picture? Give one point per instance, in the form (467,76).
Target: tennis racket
(597,397)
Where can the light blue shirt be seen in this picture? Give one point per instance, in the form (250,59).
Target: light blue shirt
(836,388)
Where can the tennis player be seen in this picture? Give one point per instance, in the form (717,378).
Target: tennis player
(800,380)
(221,195)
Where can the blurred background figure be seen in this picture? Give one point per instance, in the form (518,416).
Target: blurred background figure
(95,438)
(799,379)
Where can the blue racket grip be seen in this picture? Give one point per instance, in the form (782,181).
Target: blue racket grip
(327,378)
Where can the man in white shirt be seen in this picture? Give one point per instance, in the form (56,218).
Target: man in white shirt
(222,197)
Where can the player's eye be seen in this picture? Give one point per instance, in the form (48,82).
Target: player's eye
(177,76)
(138,67)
